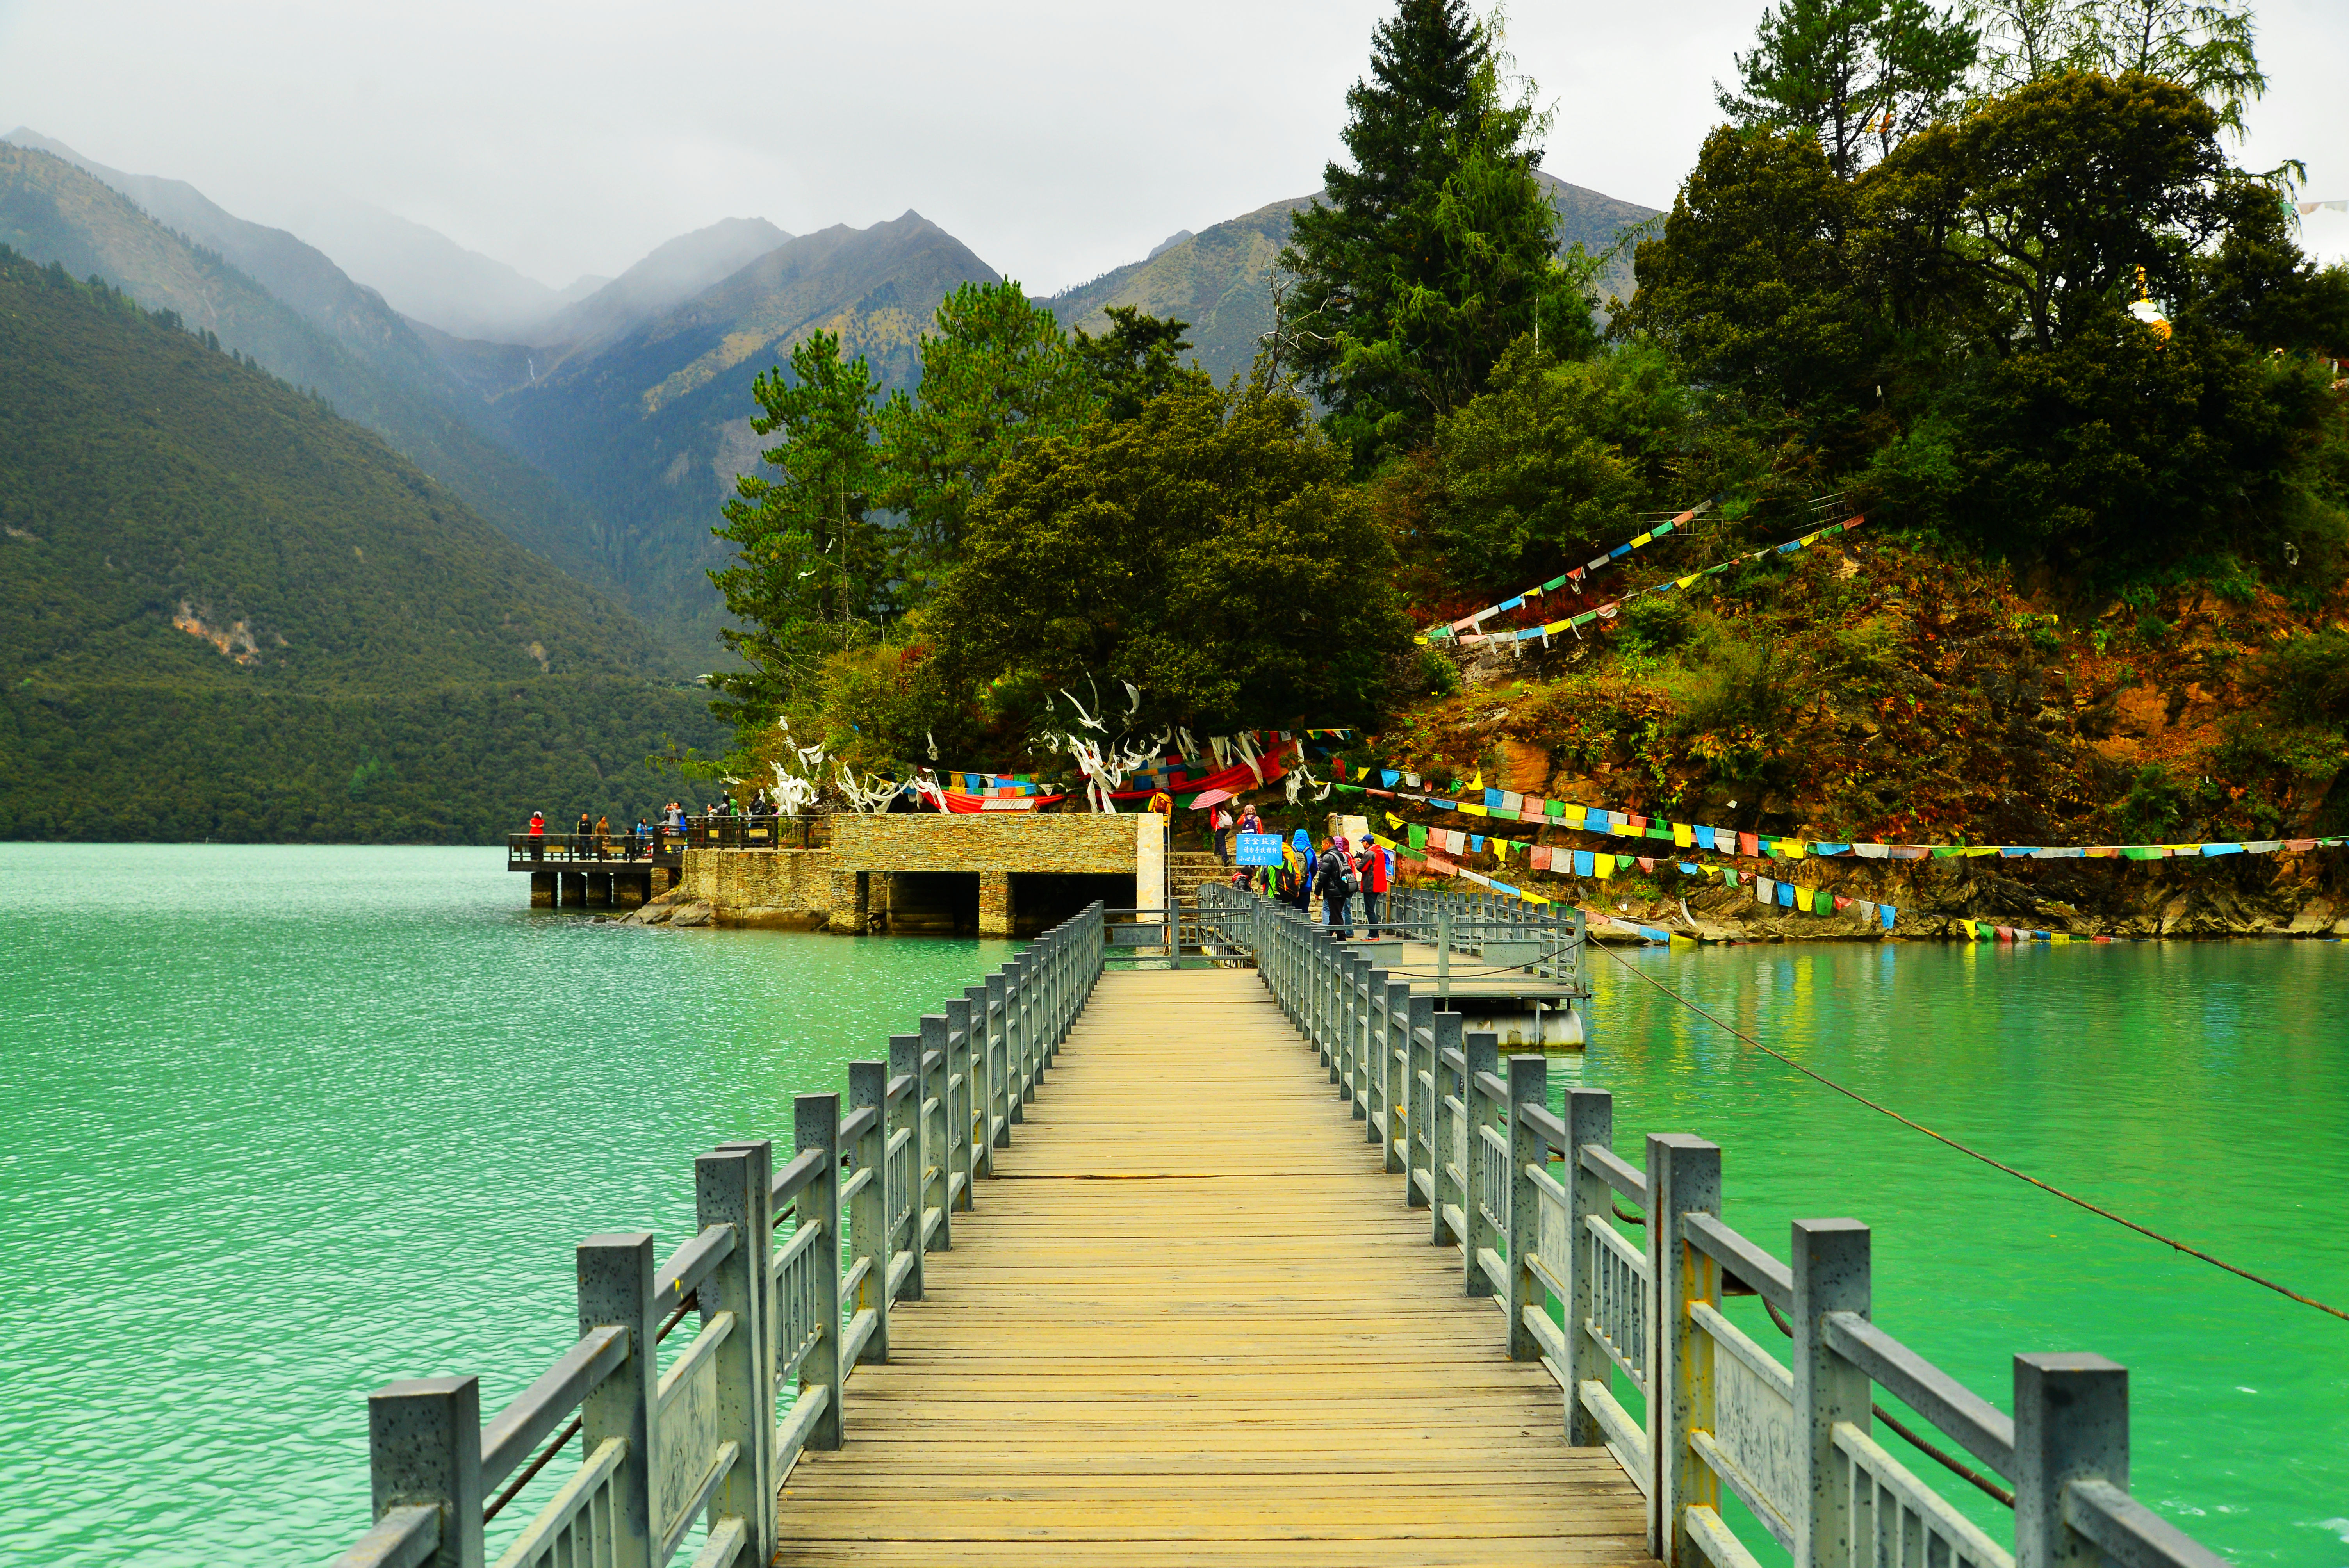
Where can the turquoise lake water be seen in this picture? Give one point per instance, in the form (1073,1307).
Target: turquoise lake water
(280,1124)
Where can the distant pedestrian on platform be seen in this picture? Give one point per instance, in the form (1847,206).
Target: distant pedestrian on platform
(586,828)
(538,835)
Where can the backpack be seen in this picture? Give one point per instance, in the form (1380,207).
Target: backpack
(1339,876)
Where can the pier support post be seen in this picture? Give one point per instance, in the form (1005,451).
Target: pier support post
(1684,1178)
(628,889)
(541,890)
(996,916)
(615,1288)
(1829,1259)
(574,890)
(815,1125)
(2071,1424)
(732,1187)
(1589,1118)
(424,1450)
(1528,1086)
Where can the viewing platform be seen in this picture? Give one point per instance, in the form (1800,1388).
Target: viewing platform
(1235,1267)
(596,871)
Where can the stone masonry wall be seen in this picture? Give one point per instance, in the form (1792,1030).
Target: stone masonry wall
(987,842)
(762,886)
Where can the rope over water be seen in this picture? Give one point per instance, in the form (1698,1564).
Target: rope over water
(1995,1164)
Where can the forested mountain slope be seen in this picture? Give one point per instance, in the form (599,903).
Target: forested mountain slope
(267,294)
(230,613)
(1220,279)
(649,427)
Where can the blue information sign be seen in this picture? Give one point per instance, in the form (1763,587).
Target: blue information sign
(1256,849)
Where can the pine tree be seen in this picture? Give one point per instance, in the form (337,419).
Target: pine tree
(1435,249)
(810,572)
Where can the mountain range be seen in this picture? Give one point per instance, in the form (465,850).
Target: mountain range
(601,428)
(230,612)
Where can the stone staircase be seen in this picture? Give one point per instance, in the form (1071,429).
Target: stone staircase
(1187,869)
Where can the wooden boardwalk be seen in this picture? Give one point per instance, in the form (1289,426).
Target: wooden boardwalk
(1192,1322)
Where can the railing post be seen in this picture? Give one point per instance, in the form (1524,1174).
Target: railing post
(1442,1134)
(816,1124)
(988,1084)
(1363,990)
(732,1187)
(905,1191)
(1419,1120)
(615,1289)
(2071,1424)
(1031,1018)
(1394,1070)
(1684,1178)
(1482,1051)
(424,1450)
(1377,1110)
(1528,1150)
(1829,1259)
(868,1218)
(970,1100)
(1001,1050)
(938,1140)
(1589,1118)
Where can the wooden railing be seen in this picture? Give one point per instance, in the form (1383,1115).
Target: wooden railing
(594,852)
(792,1273)
(1604,1272)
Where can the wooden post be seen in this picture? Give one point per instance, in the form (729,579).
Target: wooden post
(1440,1135)
(940,1148)
(906,1191)
(1377,1112)
(2071,1424)
(816,1124)
(615,1289)
(1528,1150)
(731,1188)
(424,1450)
(1684,1178)
(1419,1119)
(1394,1069)
(868,1230)
(1589,1118)
(999,1038)
(967,1097)
(1831,1269)
(1483,1053)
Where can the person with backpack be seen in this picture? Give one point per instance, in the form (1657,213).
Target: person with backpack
(1334,874)
(1222,823)
(1378,871)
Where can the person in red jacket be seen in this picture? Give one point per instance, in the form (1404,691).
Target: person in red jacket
(1377,872)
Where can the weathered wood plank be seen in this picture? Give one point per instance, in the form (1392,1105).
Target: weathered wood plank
(1191,1321)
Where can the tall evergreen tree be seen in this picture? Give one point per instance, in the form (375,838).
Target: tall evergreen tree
(1852,73)
(997,374)
(1436,249)
(810,570)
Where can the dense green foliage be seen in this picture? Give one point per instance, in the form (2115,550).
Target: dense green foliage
(1851,73)
(230,613)
(1210,551)
(1435,252)
(1950,334)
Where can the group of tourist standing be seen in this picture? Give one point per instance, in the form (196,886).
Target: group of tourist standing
(1338,872)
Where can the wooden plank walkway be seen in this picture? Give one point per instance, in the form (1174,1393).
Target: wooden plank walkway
(1192,1322)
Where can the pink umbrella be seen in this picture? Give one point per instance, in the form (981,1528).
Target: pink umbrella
(1207,797)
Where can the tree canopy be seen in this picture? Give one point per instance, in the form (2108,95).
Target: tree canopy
(1435,249)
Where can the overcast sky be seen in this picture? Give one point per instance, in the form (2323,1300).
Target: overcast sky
(1057,141)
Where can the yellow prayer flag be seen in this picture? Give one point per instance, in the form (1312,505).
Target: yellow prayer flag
(1680,834)
(1974,851)
(2058,936)
(1684,581)
(1792,849)
(1478,781)
(1602,866)
(1467,809)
